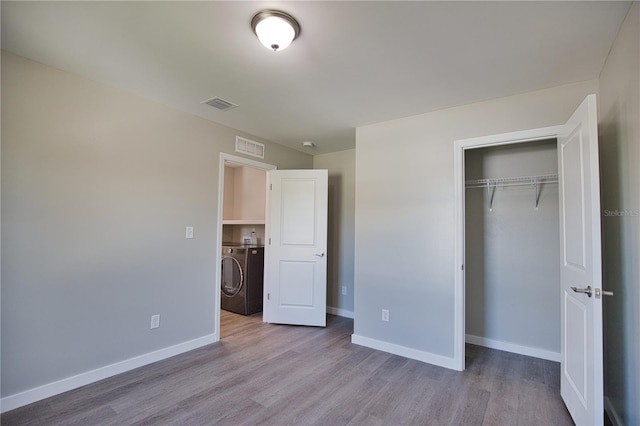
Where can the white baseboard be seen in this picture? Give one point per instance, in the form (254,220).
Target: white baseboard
(512,347)
(428,357)
(612,412)
(45,391)
(339,312)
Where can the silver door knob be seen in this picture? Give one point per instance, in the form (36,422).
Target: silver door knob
(586,291)
(320,254)
(603,292)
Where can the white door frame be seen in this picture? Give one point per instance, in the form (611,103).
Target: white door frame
(461,146)
(226,159)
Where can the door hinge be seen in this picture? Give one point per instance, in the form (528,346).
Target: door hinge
(269,240)
(270,187)
(268,296)
(462,267)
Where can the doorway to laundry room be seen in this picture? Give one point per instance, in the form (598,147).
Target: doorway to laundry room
(241,260)
(287,268)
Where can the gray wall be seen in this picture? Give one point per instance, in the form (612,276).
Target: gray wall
(619,129)
(97,188)
(512,260)
(341,166)
(404,253)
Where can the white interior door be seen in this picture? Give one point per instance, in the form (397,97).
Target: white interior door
(580,265)
(296,261)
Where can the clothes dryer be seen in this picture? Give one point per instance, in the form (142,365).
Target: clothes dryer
(242,278)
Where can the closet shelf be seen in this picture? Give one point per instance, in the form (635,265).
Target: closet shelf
(492,183)
(511,181)
(243,221)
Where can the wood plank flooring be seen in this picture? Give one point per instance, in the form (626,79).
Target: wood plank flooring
(290,375)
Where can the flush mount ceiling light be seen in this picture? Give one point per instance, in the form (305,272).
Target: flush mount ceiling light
(275,29)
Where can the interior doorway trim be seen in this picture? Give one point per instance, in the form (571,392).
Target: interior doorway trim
(460,146)
(228,159)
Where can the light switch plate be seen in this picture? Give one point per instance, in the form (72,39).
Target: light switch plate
(385,315)
(189,232)
(155,321)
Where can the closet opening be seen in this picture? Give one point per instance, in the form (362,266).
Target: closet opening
(578,245)
(512,259)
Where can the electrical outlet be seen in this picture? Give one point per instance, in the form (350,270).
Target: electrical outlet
(385,315)
(344,290)
(155,321)
(189,232)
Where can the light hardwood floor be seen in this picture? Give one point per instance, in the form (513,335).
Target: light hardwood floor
(277,375)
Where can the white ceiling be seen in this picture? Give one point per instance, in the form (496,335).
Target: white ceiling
(355,63)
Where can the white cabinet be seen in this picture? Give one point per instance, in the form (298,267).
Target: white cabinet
(244,203)
(244,196)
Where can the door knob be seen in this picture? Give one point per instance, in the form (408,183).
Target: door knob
(586,291)
(603,292)
(320,254)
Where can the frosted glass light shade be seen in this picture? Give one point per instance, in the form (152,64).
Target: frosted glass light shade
(275,30)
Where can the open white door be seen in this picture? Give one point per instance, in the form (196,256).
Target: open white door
(296,261)
(580,266)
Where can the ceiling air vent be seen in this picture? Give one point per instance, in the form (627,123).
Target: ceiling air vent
(249,147)
(219,103)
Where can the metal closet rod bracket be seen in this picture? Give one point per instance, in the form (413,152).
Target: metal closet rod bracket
(492,183)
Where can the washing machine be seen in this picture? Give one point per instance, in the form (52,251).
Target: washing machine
(242,278)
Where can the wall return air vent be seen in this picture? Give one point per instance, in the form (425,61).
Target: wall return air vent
(219,103)
(249,147)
